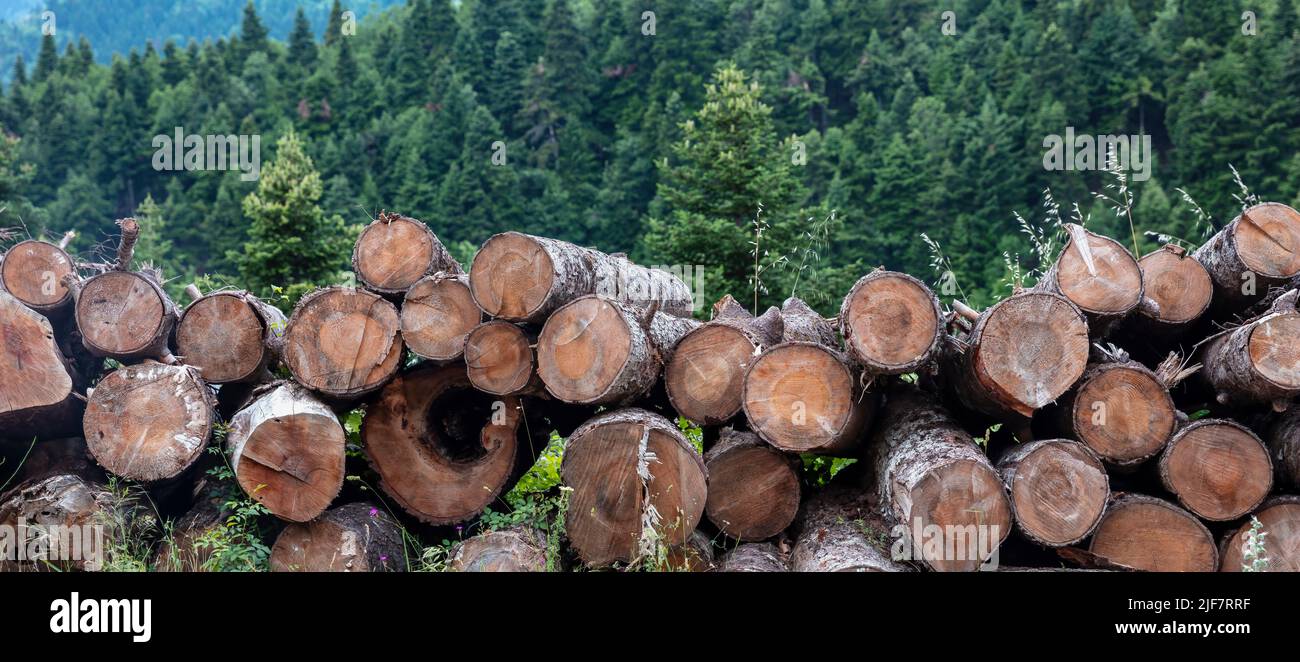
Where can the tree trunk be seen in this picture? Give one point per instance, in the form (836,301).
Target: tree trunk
(1258,361)
(1176,289)
(124,315)
(443,450)
(395,251)
(599,351)
(229,336)
(891,323)
(753,488)
(1146,533)
(1280,519)
(1284,446)
(636,483)
(520,549)
(32,272)
(522,278)
(706,376)
(1122,411)
(501,359)
(149,422)
(287,450)
(1058,490)
(839,532)
(1258,250)
(357,537)
(437,313)
(1098,275)
(754,557)
(66,500)
(343,342)
(37,396)
(1218,469)
(928,471)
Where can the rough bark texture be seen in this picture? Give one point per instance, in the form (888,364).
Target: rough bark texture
(1284,447)
(1146,533)
(1218,469)
(37,389)
(501,359)
(839,532)
(754,557)
(437,313)
(891,322)
(520,549)
(1258,250)
(1122,411)
(125,315)
(229,337)
(1280,519)
(706,377)
(1258,361)
(32,271)
(1176,291)
(343,342)
(753,489)
(67,500)
(1058,490)
(1097,274)
(357,537)
(395,251)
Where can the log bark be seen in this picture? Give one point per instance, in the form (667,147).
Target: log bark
(754,557)
(68,500)
(37,386)
(437,314)
(287,451)
(1146,533)
(149,422)
(1284,448)
(32,272)
(706,376)
(343,342)
(595,350)
(1122,411)
(1280,519)
(357,537)
(396,251)
(520,549)
(442,450)
(637,483)
(1258,250)
(522,278)
(1258,361)
(1218,469)
(229,337)
(501,359)
(891,323)
(1176,291)
(1097,274)
(1058,490)
(839,532)
(753,488)
(928,471)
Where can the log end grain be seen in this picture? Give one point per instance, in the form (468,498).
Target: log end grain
(394,252)
(1177,285)
(1280,520)
(437,313)
(509,550)
(1267,238)
(706,376)
(499,358)
(803,397)
(35,385)
(1217,469)
(1031,348)
(1274,350)
(1123,413)
(123,315)
(591,351)
(343,342)
(1100,278)
(891,322)
(357,537)
(32,271)
(1058,490)
(753,488)
(148,422)
(511,276)
(1146,533)
(224,336)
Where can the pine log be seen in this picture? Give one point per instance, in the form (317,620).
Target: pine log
(636,483)
(753,488)
(1284,447)
(753,557)
(395,251)
(839,532)
(32,271)
(1218,469)
(287,451)
(37,387)
(1097,274)
(357,537)
(1122,411)
(519,549)
(1279,518)
(437,313)
(522,278)
(891,323)
(229,336)
(1058,490)
(1146,533)
(594,350)
(1258,361)
(1258,250)
(805,394)
(343,342)
(1176,291)
(443,451)
(149,422)
(706,376)
(66,500)
(501,359)
(928,471)
(124,315)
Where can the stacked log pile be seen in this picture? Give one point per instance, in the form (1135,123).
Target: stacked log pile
(1123,413)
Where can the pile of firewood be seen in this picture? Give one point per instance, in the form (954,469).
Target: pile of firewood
(1123,413)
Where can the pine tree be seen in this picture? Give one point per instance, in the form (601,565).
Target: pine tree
(334,28)
(302,43)
(48,61)
(505,93)
(252,34)
(479,197)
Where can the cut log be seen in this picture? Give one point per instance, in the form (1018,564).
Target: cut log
(395,251)
(343,342)
(928,471)
(1146,533)
(1258,361)
(443,451)
(1058,489)
(1176,290)
(595,350)
(37,397)
(186,548)
(1218,469)
(287,451)
(840,533)
(501,359)
(65,500)
(522,278)
(124,315)
(520,549)
(1280,519)
(706,376)
(1258,250)
(437,313)
(32,271)
(753,557)
(1122,411)
(149,422)
(637,483)
(1284,446)
(694,555)
(891,323)
(1021,354)
(753,489)
(1097,274)
(357,537)
(229,336)
(805,395)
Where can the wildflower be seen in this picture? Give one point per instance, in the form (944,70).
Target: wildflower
(374,512)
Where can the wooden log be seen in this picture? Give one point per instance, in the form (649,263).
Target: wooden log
(395,251)
(1058,490)
(891,323)
(637,483)
(1097,274)
(501,359)
(357,537)
(753,488)
(343,342)
(1259,361)
(1176,291)
(706,376)
(1021,354)
(928,471)
(1122,411)
(1258,250)
(1284,447)
(32,272)
(37,389)
(443,451)
(805,394)
(287,451)
(187,548)
(229,336)
(594,350)
(1146,533)
(437,314)
(1218,469)
(694,555)
(149,422)
(753,557)
(65,500)
(519,549)
(839,532)
(1280,520)
(522,278)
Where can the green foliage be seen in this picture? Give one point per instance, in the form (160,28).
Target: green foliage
(818,470)
(1253,550)
(693,432)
